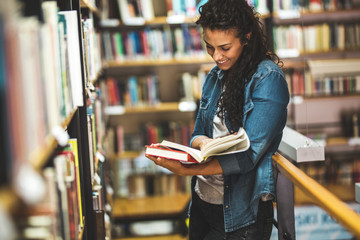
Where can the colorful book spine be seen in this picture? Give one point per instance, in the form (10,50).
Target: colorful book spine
(74,147)
(315,38)
(304,84)
(153,43)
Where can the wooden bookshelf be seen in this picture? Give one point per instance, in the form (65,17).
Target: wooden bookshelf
(127,154)
(147,208)
(8,199)
(307,17)
(88,5)
(166,237)
(161,107)
(294,62)
(159,62)
(40,156)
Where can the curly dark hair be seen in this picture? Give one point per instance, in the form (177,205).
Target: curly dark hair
(239,16)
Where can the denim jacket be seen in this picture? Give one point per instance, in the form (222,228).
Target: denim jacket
(247,175)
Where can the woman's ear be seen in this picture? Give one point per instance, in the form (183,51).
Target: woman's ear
(248,35)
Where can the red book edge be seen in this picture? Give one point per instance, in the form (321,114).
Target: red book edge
(190,159)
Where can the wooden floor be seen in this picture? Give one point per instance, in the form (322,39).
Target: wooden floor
(167,237)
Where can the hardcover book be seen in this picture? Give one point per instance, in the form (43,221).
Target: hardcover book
(229,144)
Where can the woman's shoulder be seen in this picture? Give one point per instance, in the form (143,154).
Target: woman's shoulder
(267,67)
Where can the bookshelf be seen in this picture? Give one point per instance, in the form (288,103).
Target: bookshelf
(314,40)
(52,145)
(167,207)
(128,52)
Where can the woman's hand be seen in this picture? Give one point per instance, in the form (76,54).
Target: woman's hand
(205,141)
(172,165)
(200,142)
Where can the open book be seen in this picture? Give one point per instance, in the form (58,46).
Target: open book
(229,144)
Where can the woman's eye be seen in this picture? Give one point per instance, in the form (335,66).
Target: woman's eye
(225,49)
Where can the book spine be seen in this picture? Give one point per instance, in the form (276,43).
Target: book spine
(330,37)
(150,43)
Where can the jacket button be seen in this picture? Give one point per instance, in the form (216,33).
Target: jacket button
(227,206)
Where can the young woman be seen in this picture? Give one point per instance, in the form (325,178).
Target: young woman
(232,194)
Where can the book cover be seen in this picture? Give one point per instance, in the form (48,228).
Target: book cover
(72,180)
(74,146)
(60,168)
(5,159)
(33,100)
(64,84)
(129,12)
(51,65)
(229,144)
(147,9)
(169,153)
(119,49)
(74,56)
(50,12)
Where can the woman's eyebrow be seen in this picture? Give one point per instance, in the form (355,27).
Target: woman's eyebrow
(223,45)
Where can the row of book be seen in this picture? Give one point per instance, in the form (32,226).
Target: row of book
(119,141)
(41,75)
(140,177)
(153,43)
(92,51)
(61,208)
(100,169)
(135,12)
(295,39)
(313,5)
(303,83)
(136,91)
(333,172)
(140,12)
(131,91)
(63,202)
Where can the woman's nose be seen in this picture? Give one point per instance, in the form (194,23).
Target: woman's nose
(217,55)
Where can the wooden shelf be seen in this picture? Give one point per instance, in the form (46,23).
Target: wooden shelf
(40,156)
(165,237)
(161,107)
(334,54)
(162,20)
(87,4)
(8,199)
(318,17)
(159,62)
(128,154)
(339,148)
(156,207)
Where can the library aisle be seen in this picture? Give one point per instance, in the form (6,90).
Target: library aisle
(86,84)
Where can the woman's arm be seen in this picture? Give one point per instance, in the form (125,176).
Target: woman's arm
(209,168)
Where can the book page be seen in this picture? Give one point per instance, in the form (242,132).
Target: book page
(226,145)
(195,153)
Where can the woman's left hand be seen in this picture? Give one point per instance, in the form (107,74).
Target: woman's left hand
(172,165)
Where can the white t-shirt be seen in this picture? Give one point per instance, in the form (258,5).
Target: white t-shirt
(211,188)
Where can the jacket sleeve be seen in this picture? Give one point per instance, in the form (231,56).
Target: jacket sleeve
(264,122)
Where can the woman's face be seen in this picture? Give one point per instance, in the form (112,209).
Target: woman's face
(223,46)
